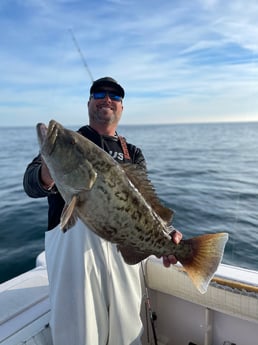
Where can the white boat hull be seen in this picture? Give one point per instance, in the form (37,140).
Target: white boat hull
(227,312)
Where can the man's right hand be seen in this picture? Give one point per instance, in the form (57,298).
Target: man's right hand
(45,176)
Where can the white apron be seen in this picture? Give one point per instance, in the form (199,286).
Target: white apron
(95,296)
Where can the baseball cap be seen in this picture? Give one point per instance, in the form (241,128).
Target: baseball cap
(107,81)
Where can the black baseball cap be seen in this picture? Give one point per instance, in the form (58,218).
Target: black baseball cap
(107,81)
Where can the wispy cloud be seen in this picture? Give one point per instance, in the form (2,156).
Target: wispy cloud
(179,61)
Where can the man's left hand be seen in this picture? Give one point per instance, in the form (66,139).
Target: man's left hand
(171,259)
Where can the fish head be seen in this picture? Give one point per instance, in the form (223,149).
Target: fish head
(65,154)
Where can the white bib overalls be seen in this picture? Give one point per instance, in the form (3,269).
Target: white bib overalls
(95,296)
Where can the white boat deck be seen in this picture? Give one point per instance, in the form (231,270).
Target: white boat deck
(25,309)
(227,312)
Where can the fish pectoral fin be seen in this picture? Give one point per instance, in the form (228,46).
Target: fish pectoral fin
(92,176)
(68,216)
(130,255)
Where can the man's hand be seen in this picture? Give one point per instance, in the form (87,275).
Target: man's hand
(171,259)
(46,178)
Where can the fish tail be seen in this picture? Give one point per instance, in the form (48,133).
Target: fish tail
(206,255)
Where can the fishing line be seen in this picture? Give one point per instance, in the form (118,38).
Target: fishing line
(81,54)
(238,202)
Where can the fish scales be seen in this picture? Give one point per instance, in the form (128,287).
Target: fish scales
(113,194)
(129,213)
(119,204)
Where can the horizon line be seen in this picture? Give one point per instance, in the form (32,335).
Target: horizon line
(148,124)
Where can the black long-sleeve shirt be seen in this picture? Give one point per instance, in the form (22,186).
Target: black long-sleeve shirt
(33,185)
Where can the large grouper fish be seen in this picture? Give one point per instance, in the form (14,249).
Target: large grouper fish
(119,204)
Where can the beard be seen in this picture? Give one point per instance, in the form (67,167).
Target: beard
(104,115)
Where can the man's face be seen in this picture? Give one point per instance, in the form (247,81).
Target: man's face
(105,110)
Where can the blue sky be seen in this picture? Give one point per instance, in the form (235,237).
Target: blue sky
(179,61)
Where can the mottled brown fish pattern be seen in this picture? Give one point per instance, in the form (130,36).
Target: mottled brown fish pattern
(119,203)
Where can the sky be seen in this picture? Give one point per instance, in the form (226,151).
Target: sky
(179,61)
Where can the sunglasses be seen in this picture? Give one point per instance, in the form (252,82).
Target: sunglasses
(102,94)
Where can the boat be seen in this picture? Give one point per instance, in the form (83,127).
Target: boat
(177,314)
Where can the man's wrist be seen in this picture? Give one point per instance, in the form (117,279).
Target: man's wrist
(46,183)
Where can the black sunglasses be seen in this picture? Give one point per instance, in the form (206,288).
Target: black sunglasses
(102,94)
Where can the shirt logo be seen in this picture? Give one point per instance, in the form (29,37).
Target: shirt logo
(117,155)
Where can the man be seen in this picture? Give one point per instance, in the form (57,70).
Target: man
(95,296)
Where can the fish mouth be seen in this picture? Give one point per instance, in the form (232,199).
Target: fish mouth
(47,136)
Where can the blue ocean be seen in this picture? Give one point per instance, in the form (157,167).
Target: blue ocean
(207,173)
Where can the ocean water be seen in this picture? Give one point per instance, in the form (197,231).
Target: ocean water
(207,173)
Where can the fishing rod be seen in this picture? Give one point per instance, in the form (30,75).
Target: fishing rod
(152,315)
(148,310)
(81,54)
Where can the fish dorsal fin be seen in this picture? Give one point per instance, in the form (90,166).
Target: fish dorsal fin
(69,217)
(138,176)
